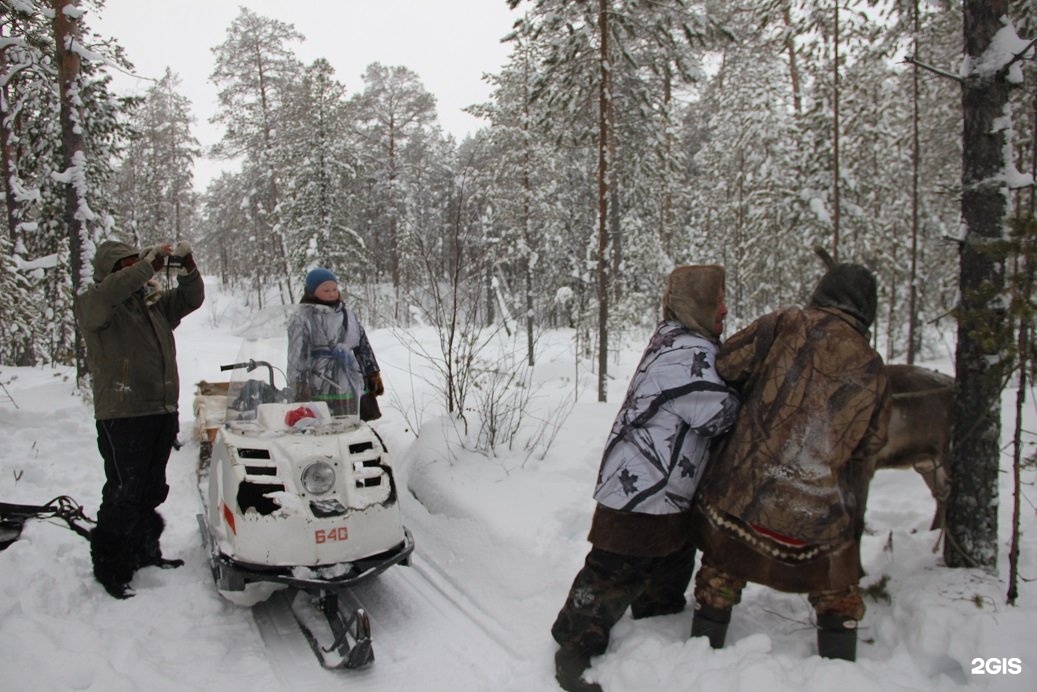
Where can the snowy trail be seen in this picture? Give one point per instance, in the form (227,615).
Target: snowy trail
(415,618)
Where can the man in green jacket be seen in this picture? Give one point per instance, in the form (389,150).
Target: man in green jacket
(127,323)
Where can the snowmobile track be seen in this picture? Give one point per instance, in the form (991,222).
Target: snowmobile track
(415,612)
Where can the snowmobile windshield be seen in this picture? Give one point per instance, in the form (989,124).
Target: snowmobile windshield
(296,354)
(257,376)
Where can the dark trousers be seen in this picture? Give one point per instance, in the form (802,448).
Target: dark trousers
(721,591)
(608,584)
(135,452)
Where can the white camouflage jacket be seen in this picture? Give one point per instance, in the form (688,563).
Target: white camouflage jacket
(658,447)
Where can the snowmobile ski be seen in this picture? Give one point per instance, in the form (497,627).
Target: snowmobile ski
(339,640)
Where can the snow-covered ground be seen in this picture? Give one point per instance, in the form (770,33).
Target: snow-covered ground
(498,543)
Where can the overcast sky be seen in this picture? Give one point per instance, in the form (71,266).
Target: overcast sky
(450,44)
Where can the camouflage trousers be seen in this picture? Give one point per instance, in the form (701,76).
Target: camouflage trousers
(608,584)
(721,591)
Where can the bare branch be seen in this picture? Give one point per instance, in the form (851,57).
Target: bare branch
(935,70)
(1020,55)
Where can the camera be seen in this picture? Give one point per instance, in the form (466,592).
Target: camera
(174,262)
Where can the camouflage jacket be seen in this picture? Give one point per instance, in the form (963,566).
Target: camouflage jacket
(675,404)
(815,405)
(328,351)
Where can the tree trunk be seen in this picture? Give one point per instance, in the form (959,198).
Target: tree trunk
(604,125)
(913,339)
(983,330)
(7,166)
(790,47)
(527,211)
(836,204)
(65,33)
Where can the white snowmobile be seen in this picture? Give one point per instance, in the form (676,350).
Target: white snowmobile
(298,498)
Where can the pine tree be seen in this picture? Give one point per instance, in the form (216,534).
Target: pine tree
(255,70)
(317,207)
(983,332)
(392,111)
(155,182)
(55,180)
(595,56)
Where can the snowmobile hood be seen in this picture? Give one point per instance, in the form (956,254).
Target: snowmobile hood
(108,254)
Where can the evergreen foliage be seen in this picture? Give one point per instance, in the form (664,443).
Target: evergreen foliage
(622,138)
(40,271)
(154,186)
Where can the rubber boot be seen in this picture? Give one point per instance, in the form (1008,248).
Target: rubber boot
(569,667)
(710,623)
(837,637)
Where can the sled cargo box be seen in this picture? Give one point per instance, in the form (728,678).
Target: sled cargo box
(210,407)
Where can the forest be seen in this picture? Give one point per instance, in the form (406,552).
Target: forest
(741,133)
(622,138)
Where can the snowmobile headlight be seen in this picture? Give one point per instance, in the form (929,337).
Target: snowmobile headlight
(318,478)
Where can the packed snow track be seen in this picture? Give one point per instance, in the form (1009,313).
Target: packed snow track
(416,615)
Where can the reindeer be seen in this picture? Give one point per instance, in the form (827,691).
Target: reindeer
(920,430)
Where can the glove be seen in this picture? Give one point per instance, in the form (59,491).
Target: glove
(186,258)
(374,384)
(156,255)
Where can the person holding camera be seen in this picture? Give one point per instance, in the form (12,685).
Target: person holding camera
(127,322)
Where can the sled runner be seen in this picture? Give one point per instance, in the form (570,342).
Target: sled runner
(297,498)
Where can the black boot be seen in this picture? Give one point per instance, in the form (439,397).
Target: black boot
(149,554)
(113,563)
(837,637)
(710,623)
(569,667)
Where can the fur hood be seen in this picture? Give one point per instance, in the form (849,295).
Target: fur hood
(108,254)
(692,295)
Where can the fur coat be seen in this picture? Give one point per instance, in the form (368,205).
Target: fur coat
(782,503)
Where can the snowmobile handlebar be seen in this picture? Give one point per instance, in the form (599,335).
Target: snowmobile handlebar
(249,366)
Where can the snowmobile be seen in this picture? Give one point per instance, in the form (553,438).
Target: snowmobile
(299,496)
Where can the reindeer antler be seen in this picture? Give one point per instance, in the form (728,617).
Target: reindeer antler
(825,257)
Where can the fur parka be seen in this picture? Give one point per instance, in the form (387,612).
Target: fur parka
(780,503)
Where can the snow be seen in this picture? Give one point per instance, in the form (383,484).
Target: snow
(498,541)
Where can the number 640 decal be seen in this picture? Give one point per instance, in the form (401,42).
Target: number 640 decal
(328,535)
